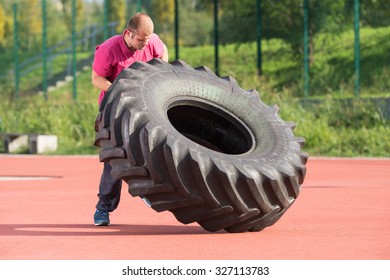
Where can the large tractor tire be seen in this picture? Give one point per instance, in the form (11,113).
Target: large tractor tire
(199,146)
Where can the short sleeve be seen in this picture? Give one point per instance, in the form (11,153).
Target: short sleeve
(102,62)
(158,46)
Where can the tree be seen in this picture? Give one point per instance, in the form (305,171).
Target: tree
(280,19)
(67,13)
(196,24)
(117,13)
(238,21)
(6,25)
(163,13)
(2,24)
(373,13)
(30,22)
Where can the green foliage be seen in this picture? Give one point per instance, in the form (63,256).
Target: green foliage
(163,15)
(373,141)
(332,127)
(196,31)
(375,13)
(71,122)
(116,13)
(279,19)
(67,13)
(2,24)
(30,24)
(351,113)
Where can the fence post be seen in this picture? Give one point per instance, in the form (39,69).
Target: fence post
(306,46)
(74,60)
(259,35)
(44,48)
(176,29)
(216,42)
(357,48)
(16,50)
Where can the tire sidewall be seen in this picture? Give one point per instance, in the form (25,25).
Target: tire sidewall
(162,90)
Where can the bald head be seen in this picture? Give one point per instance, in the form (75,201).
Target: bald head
(141,23)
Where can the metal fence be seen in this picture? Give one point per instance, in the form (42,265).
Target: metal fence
(79,40)
(177,28)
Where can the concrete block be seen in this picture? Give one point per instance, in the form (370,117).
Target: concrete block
(39,144)
(17,143)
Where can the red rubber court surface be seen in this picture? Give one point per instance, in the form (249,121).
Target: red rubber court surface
(47,205)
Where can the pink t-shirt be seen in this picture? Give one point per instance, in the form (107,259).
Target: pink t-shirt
(112,56)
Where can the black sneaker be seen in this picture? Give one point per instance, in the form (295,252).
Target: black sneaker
(101,218)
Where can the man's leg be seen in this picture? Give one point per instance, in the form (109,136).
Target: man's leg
(109,196)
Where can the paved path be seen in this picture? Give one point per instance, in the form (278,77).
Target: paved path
(47,204)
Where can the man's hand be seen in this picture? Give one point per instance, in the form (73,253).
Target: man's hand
(165,55)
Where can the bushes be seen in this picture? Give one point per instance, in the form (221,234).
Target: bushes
(354,127)
(373,141)
(72,123)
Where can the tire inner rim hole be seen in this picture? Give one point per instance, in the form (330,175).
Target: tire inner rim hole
(211,127)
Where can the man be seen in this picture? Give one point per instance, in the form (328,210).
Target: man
(137,43)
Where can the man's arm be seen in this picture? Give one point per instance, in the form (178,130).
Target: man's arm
(165,56)
(100,82)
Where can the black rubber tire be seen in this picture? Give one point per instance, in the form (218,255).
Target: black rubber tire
(199,146)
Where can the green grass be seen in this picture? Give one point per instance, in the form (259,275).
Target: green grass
(333,70)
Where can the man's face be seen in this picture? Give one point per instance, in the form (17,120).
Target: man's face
(137,39)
